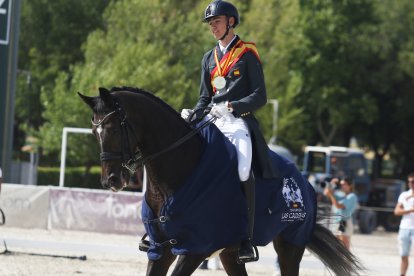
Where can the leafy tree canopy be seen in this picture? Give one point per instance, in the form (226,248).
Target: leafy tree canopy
(337,68)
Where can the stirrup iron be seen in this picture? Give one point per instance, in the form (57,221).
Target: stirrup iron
(144,245)
(255,258)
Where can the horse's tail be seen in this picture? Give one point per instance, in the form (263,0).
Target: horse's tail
(333,253)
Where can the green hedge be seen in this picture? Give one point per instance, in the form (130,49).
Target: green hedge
(74,177)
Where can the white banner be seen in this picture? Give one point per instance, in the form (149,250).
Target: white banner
(72,209)
(25,206)
(95,211)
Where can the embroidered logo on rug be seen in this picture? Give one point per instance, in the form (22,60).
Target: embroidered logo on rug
(294,201)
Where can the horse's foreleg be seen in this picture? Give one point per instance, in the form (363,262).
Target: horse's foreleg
(187,264)
(160,267)
(229,261)
(289,255)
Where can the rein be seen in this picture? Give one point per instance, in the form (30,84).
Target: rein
(180,141)
(131,161)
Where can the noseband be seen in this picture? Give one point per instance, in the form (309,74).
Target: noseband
(133,160)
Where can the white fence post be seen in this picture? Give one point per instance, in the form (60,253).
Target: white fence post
(65,132)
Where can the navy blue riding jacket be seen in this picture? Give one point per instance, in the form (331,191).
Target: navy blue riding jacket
(245,90)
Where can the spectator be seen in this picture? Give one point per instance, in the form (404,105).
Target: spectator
(1,179)
(336,167)
(2,218)
(405,208)
(344,203)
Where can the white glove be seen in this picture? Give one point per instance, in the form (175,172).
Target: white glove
(220,110)
(186,113)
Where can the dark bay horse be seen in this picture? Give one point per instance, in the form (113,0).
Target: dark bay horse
(133,127)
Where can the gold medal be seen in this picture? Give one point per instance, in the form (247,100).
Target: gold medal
(219,82)
(222,68)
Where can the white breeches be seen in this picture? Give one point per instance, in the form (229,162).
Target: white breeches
(236,130)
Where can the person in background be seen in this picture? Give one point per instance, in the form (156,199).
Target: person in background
(232,87)
(405,208)
(1,179)
(344,203)
(336,168)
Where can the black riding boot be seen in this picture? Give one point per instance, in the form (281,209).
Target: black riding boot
(248,251)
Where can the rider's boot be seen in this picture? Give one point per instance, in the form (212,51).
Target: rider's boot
(247,250)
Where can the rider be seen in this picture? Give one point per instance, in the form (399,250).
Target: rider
(231,92)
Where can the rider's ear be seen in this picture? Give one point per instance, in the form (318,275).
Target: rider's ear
(232,20)
(88,100)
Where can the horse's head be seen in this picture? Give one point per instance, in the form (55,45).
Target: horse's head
(134,127)
(109,126)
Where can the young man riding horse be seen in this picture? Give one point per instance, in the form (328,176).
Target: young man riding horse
(232,88)
(188,167)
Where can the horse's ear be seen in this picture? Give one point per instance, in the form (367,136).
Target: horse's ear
(103,90)
(88,100)
(106,96)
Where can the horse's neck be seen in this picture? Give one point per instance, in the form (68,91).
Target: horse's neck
(156,193)
(168,172)
(157,129)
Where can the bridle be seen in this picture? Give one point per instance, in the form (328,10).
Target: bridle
(133,160)
(128,156)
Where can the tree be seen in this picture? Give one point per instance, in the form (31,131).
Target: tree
(273,26)
(338,68)
(331,60)
(393,74)
(52,33)
(350,65)
(156,50)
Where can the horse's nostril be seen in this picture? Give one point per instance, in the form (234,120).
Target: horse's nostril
(112,177)
(106,185)
(108,182)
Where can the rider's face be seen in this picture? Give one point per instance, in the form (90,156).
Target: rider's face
(218,25)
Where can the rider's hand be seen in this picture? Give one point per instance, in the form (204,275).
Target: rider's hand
(186,114)
(220,110)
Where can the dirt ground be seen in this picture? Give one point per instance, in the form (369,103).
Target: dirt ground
(42,252)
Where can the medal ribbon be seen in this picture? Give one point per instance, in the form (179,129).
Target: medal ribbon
(230,59)
(223,65)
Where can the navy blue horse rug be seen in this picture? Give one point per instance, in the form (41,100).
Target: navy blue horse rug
(209,211)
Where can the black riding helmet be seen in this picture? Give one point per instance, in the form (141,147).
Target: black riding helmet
(218,8)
